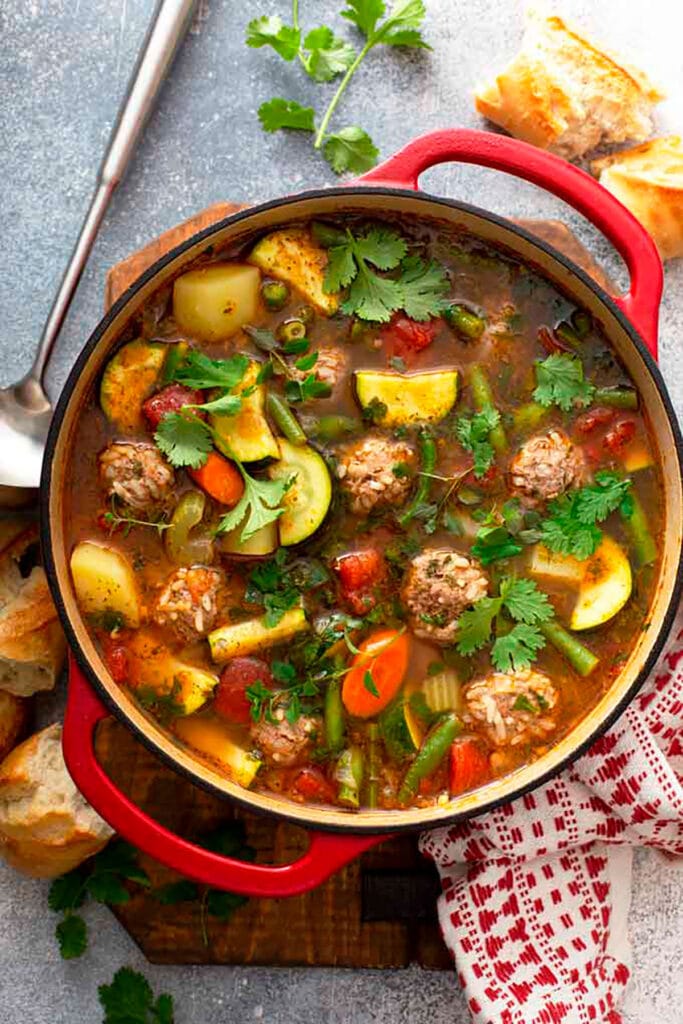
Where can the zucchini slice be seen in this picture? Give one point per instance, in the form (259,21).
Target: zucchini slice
(247,435)
(227,642)
(129,378)
(261,543)
(104,582)
(605,588)
(293,256)
(307,501)
(401,730)
(408,398)
(211,738)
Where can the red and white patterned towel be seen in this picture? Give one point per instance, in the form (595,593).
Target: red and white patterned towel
(536,894)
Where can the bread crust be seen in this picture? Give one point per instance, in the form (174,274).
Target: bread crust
(648,179)
(46,826)
(14,714)
(565,93)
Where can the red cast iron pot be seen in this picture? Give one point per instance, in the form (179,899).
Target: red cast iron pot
(630,322)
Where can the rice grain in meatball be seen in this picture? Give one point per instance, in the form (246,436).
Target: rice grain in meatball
(546,465)
(439,585)
(376,472)
(285,743)
(189,602)
(137,474)
(512,708)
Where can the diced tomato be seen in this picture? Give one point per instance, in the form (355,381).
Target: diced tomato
(404,337)
(359,573)
(434,783)
(230,698)
(469,765)
(116,659)
(311,784)
(109,528)
(170,399)
(620,435)
(589,421)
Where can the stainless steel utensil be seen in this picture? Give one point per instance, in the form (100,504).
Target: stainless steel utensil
(25,409)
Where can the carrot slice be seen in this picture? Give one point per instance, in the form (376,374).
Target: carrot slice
(469,766)
(376,673)
(220,478)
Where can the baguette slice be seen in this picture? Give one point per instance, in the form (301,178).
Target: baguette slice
(13,719)
(648,179)
(46,827)
(564,93)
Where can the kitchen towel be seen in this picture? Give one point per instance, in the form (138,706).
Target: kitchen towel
(535,894)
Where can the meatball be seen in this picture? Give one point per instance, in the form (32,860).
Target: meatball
(546,465)
(188,603)
(368,472)
(285,743)
(137,474)
(329,367)
(439,584)
(514,708)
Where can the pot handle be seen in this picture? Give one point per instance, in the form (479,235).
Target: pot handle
(574,186)
(326,853)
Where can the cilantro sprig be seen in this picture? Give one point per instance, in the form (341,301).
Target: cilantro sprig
(571,525)
(324,56)
(517,649)
(129,1000)
(473,434)
(560,381)
(417,287)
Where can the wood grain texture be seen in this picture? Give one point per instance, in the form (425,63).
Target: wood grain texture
(377,912)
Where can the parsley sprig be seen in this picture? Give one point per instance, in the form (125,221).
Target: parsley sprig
(325,56)
(570,527)
(517,649)
(473,434)
(417,287)
(129,1000)
(560,381)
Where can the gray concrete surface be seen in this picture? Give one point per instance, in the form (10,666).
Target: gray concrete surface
(63,66)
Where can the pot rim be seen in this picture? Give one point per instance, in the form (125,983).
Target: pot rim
(147,738)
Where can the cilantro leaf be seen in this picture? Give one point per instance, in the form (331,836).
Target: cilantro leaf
(570,528)
(524,601)
(382,247)
(224,405)
(369,684)
(271,31)
(280,113)
(307,362)
(424,287)
(475,624)
(222,905)
(184,440)
(308,389)
(341,268)
(259,505)
(107,888)
(559,381)
(67,892)
(493,543)
(129,1000)
(596,502)
(182,891)
(198,371)
(328,55)
(372,297)
(406,37)
(364,14)
(517,649)
(72,936)
(473,434)
(350,149)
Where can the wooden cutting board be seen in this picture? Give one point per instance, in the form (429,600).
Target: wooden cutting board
(379,911)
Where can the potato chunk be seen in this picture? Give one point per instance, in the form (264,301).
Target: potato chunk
(213,302)
(104,582)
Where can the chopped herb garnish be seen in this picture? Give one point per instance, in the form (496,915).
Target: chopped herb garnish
(560,381)
(369,684)
(527,605)
(570,528)
(473,434)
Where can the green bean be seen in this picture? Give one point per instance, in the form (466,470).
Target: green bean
(578,656)
(427,467)
(291,330)
(334,716)
(528,417)
(332,427)
(349,776)
(430,755)
(284,419)
(372,789)
(581,322)
(636,525)
(274,294)
(616,398)
(566,333)
(464,321)
(483,399)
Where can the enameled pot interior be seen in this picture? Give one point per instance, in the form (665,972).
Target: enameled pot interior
(84,378)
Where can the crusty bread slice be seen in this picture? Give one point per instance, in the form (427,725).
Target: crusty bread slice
(32,645)
(564,93)
(46,827)
(648,179)
(13,719)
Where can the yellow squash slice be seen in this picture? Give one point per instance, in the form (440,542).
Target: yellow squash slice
(211,738)
(408,398)
(605,588)
(155,674)
(228,642)
(293,256)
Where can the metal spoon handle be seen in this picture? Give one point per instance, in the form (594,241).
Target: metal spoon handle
(166,31)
